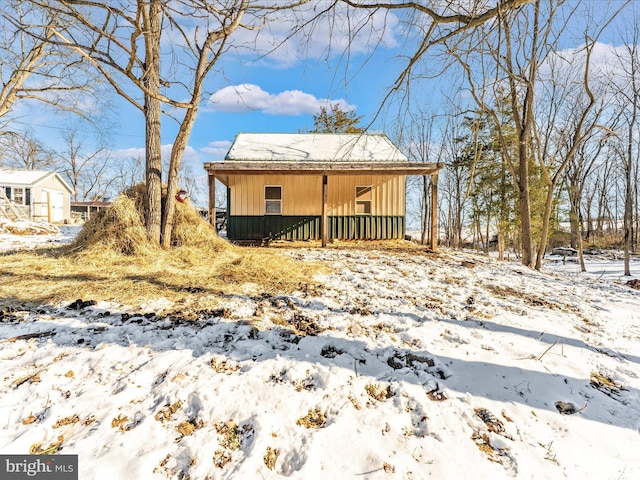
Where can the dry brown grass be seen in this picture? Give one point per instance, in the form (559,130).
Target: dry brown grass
(379,392)
(605,383)
(398,246)
(271,457)
(53,448)
(229,435)
(313,419)
(112,260)
(187,428)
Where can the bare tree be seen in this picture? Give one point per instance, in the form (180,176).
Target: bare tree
(24,151)
(505,62)
(437,23)
(126,173)
(508,55)
(423,143)
(124,42)
(571,120)
(453,186)
(578,172)
(32,68)
(629,151)
(86,169)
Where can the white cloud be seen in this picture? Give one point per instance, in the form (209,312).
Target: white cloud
(190,157)
(340,32)
(607,70)
(282,38)
(218,149)
(247,97)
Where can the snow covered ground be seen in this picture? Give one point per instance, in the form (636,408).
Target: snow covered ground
(8,241)
(391,365)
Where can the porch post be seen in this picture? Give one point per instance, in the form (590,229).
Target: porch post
(434,212)
(323,224)
(212,201)
(48,206)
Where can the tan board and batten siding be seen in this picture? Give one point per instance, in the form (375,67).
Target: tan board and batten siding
(302,195)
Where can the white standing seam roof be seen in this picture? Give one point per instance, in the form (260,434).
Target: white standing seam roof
(314,147)
(28,178)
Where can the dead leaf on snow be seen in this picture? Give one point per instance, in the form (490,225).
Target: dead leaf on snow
(313,419)
(66,421)
(271,457)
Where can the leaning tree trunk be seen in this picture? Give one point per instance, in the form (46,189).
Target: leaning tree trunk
(177,151)
(544,235)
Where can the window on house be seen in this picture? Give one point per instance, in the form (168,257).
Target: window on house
(273,200)
(363,200)
(18,196)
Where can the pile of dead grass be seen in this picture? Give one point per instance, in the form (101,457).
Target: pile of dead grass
(120,229)
(112,260)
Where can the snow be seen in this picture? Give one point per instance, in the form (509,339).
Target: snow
(10,241)
(314,147)
(23,177)
(466,366)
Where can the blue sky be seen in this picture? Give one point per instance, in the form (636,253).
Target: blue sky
(252,93)
(276,93)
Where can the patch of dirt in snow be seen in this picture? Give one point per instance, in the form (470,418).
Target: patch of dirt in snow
(391,363)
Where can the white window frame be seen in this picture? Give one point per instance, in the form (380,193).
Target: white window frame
(271,202)
(363,199)
(18,198)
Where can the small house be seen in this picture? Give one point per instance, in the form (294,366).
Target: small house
(315,186)
(85,210)
(40,195)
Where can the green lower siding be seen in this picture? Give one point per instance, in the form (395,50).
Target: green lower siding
(361,227)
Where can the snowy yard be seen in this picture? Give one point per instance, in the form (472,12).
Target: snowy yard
(390,365)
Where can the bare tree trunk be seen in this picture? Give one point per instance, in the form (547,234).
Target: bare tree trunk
(636,213)
(525,205)
(153,113)
(544,235)
(589,233)
(575,200)
(628,197)
(177,151)
(580,249)
(487,233)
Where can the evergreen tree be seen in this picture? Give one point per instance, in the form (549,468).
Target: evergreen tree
(336,120)
(492,196)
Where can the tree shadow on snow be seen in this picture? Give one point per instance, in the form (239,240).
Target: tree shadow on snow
(540,336)
(241,341)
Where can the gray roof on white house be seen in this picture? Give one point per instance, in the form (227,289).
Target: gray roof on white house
(314,147)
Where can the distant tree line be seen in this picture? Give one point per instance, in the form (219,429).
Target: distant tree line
(546,149)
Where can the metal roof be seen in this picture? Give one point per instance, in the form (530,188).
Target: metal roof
(314,147)
(315,154)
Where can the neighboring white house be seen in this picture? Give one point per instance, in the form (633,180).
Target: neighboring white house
(40,194)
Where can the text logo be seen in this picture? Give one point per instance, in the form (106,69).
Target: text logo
(39,467)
